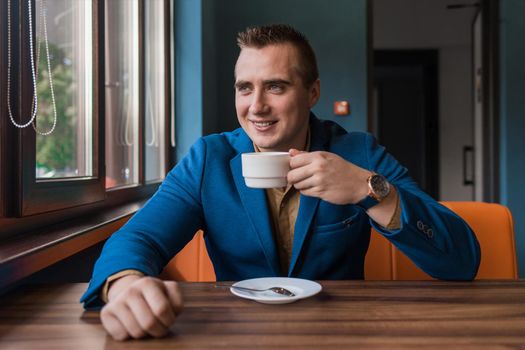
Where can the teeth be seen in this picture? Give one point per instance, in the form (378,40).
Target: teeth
(262,124)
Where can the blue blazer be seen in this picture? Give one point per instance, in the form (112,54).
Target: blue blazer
(206,191)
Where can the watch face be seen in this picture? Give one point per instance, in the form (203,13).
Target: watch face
(380,186)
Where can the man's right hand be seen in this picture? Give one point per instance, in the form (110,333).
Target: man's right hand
(140,306)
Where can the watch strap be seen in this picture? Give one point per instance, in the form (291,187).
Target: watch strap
(367,202)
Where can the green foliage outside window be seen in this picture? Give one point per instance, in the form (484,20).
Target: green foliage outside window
(56,153)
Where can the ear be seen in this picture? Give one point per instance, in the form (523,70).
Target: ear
(314,92)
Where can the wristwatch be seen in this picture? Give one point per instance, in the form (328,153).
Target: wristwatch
(378,189)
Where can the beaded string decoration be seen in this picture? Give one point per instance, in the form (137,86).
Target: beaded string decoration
(34,69)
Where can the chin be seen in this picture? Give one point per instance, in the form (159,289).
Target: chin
(264,145)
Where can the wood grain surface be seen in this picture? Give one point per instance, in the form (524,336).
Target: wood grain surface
(346,314)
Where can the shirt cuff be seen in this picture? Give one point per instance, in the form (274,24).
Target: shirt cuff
(113,278)
(395,221)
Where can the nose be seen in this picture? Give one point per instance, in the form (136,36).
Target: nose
(258,104)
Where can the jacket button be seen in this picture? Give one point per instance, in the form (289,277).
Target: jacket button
(430,233)
(347,222)
(420,225)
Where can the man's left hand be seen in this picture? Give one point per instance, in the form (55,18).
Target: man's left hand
(327,176)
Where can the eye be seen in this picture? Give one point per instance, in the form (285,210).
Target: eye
(243,89)
(276,88)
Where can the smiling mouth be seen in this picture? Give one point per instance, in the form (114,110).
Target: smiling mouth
(263,124)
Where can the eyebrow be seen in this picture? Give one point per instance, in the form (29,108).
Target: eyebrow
(242,83)
(277,81)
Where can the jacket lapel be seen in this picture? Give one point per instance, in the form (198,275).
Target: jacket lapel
(254,202)
(307,209)
(307,205)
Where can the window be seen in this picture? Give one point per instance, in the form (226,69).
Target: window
(64,43)
(95,132)
(156,92)
(122,92)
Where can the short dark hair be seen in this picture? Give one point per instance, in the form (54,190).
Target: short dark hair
(262,36)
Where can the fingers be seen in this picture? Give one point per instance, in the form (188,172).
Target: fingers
(146,307)
(120,322)
(327,176)
(160,305)
(293,152)
(296,176)
(147,318)
(306,166)
(112,325)
(299,159)
(305,184)
(129,320)
(174,295)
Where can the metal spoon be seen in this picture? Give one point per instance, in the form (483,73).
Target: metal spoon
(278,290)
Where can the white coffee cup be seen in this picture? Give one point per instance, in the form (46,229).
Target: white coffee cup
(265,169)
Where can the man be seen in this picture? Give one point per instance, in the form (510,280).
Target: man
(317,228)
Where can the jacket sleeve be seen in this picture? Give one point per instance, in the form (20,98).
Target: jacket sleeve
(436,239)
(166,223)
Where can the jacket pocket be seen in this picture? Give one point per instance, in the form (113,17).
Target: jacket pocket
(336,227)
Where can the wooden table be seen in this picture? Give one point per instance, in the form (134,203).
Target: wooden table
(346,314)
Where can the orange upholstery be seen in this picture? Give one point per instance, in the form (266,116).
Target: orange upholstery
(492,224)
(191,264)
(494,229)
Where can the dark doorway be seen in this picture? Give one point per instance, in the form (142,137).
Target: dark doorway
(405,118)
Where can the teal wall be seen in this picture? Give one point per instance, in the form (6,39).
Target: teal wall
(512,117)
(188,74)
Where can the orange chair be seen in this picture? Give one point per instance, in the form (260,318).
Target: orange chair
(191,264)
(492,224)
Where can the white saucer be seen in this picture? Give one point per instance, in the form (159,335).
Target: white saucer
(300,287)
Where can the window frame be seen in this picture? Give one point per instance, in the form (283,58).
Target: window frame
(169,45)
(3,110)
(55,194)
(27,204)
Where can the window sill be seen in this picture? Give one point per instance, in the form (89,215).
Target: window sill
(25,254)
